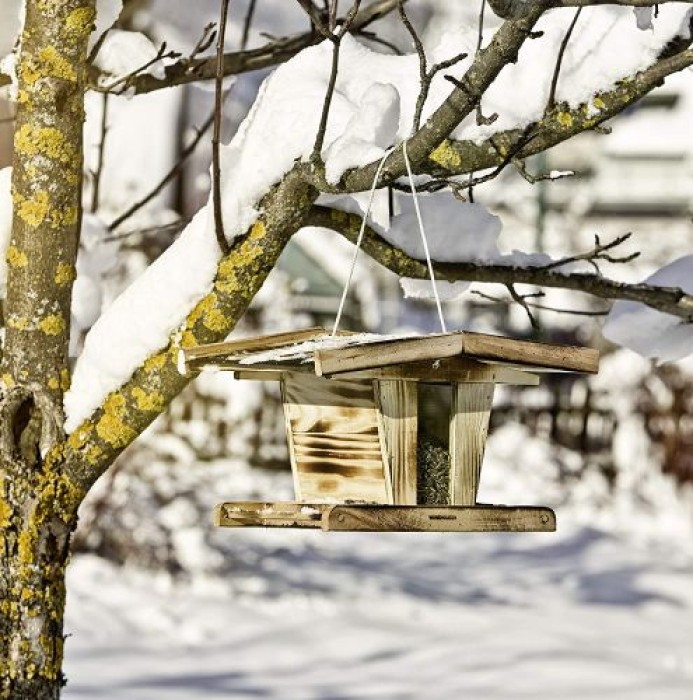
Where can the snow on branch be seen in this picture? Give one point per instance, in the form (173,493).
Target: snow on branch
(668,299)
(190,69)
(608,65)
(460,156)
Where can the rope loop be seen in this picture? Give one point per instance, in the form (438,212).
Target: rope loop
(364,223)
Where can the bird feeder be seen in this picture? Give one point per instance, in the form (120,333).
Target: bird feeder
(352,423)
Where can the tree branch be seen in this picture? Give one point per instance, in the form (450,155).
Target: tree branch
(488,63)
(508,9)
(126,412)
(671,300)
(460,157)
(189,70)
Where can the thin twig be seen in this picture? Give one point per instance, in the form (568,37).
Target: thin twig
(97,47)
(426,76)
(216,137)
(480,118)
(316,19)
(436,185)
(541,307)
(172,228)
(124,81)
(277,51)
(209,34)
(327,103)
(423,65)
(247,23)
(671,300)
(533,179)
(372,36)
(599,252)
(96,183)
(522,301)
(334,7)
(336,39)
(170,175)
(559,61)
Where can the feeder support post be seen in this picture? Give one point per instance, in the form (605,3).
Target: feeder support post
(469,418)
(398,407)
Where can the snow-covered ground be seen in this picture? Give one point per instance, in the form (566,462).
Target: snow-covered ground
(601,609)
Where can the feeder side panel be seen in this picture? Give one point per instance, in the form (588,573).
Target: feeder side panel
(336,441)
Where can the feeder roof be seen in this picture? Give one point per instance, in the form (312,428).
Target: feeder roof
(316,351)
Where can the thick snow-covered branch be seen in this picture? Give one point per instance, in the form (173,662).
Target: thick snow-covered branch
(458,157)
(126,412)
(485,68)
(671,300)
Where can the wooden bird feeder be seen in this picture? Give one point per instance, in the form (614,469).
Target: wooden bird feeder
(352,414)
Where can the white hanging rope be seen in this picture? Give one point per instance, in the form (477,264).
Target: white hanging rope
(424,240)
(364,222)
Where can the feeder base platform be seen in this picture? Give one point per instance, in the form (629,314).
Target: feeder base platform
(385,518)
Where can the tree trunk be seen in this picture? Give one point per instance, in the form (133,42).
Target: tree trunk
(37,517)
(38,499)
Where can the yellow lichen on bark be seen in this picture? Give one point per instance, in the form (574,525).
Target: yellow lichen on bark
(446,156)
(77,439)
(64,274)
(5,509)
(52,325)
(188,339)
(227,280)
(80,22)
(20,323)
(565,119)
(15,257)
(209,314)
(215,320)
(148,401)
(155,362)
(57,66)
(32,210)
(47,141)
(111,427)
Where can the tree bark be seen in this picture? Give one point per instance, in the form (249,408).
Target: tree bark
(37,517)
(38,498)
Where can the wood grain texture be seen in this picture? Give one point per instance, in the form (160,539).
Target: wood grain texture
(258,343)
(399,411)
(268,514)
(336,442)
(384,518)
(439,519)
(454,369)
(469,417)
(393,352)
